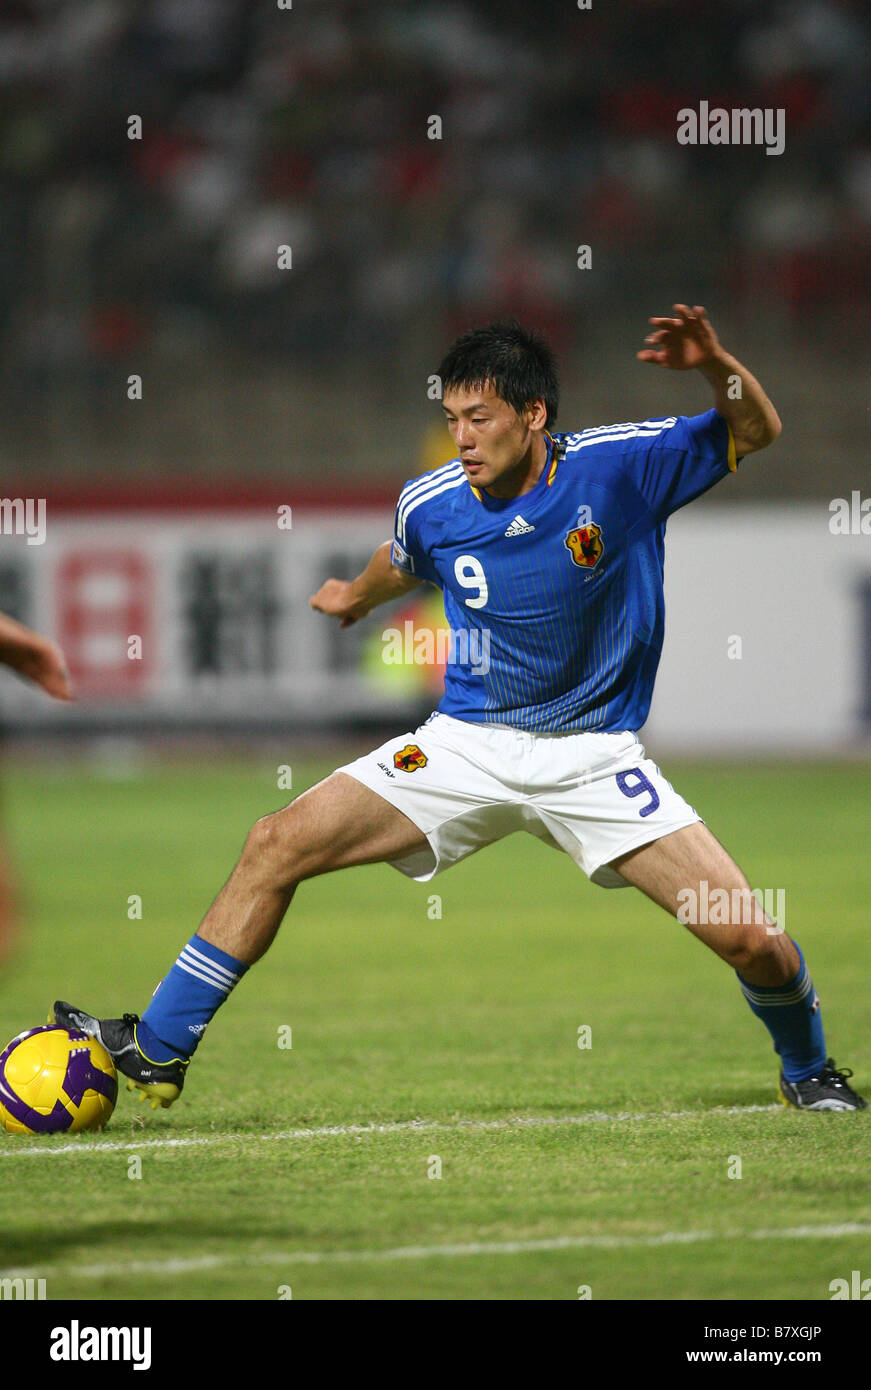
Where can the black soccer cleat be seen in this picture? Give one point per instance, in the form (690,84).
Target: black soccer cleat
(159,1082)
(828,1091)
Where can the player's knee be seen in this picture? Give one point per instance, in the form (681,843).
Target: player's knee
(750,947)
(276,848)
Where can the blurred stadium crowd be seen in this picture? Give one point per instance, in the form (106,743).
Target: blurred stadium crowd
(308,126)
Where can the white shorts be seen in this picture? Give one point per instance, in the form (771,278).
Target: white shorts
(595,796)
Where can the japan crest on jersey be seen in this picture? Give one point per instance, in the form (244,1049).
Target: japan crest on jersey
(585,545)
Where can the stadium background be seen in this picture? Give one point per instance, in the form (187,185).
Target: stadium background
(154,253)
(307,388)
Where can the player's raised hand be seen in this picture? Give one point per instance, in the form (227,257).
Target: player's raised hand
(683,342)
(379,582)
(338,599)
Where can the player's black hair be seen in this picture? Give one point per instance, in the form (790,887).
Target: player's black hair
(515,362)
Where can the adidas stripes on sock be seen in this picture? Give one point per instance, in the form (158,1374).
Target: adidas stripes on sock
(185,1002)
(791,1013)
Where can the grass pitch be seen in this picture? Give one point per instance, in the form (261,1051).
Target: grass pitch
(426,1044)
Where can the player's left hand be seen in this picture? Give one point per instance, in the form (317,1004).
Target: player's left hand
(682,342)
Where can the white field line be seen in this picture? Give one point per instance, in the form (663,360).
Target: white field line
(428,1252)
(91,1146)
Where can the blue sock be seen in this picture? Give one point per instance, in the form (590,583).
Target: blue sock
(791,1013)
(186,1000)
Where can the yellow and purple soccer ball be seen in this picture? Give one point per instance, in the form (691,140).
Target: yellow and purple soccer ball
(56,1080)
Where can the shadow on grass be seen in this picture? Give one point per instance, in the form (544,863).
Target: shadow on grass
(119,1241)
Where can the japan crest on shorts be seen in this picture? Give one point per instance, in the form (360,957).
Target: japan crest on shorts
(585,545)
(409,758)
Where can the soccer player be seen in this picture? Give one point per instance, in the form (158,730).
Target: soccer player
(549,550)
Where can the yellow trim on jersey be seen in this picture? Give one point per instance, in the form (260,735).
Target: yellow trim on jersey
(552,474)
(732,456)
(476,491)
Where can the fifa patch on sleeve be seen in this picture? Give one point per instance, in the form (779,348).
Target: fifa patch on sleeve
(401,558)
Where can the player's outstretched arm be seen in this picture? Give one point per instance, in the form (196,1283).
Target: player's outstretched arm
(351,599)
(34,657)
(689,341)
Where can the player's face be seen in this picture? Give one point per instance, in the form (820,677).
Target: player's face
(494,443)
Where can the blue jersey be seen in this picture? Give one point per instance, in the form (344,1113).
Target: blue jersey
(555,598)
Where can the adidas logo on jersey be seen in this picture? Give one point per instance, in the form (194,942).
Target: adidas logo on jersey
(519,527)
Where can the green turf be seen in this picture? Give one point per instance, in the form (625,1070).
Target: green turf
(397,1016)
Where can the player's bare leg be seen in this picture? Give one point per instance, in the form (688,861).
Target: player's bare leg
(338,824)
(770,967)
(757,949)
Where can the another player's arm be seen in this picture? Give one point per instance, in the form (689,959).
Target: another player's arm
(34,657)
(352,599)
(689,341)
